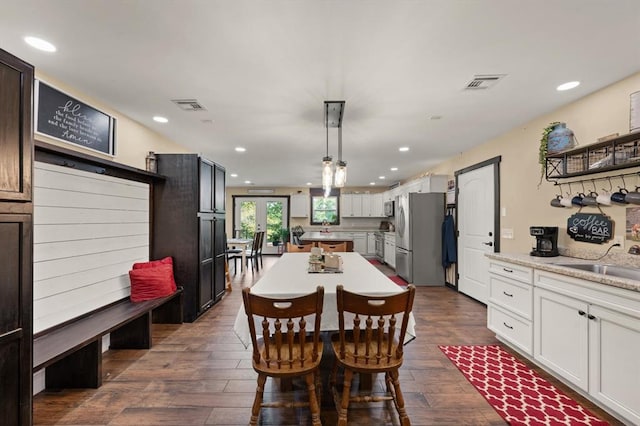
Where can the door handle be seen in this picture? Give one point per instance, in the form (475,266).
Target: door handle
(490,244)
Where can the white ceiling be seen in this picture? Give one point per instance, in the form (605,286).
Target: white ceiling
(264,68)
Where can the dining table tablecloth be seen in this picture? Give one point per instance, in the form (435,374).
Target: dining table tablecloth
(289,277)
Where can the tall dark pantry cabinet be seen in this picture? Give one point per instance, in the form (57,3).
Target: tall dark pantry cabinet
(189,225)
(16,241)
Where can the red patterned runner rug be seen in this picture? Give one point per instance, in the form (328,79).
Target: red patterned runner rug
(396,279)
(516,392)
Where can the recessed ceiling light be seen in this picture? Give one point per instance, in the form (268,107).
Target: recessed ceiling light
(308,183)
(372,183)
(394,169)
(160,119)
(247,182)
(403,149)
(240,149)
(40,44)
(234,175)
(568,86)
(381,177)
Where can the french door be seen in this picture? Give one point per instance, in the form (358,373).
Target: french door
(270,214)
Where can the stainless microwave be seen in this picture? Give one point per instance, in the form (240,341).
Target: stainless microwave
(388,208)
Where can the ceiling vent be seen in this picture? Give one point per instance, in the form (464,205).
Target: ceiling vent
(189,104)
(484,81)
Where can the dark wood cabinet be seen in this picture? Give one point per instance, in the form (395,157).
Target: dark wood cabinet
(16,247)
(188,226)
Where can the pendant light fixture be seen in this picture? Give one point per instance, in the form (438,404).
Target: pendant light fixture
(333,113)
(341,166)
(327,165)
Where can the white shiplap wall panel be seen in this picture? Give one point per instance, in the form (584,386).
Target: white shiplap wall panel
(63,198)
(56,177)
(65,283)
(67,249)
(88,231)
(45,215)
(71,232)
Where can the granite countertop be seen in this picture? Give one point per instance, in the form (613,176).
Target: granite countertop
(548,264)
(324,236)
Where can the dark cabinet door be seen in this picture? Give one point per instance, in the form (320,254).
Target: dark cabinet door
(206,186)
(16,241)
(16,131)
(219,190)
(16,303)
(206,264)
(218,277)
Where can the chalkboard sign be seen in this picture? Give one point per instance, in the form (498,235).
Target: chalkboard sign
(590,228)
(65,118)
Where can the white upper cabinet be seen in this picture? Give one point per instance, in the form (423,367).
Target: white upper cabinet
(376,206)
(434,183)
(299,205)
(361,205)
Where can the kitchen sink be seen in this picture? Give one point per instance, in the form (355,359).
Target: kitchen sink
(598,268)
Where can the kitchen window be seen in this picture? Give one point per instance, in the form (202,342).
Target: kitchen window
(325,209)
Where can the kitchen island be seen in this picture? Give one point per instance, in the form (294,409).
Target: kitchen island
(328,237)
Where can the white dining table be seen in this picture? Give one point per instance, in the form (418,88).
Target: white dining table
(242,243)
(289,277)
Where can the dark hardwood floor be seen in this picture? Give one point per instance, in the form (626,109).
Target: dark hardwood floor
(200,374)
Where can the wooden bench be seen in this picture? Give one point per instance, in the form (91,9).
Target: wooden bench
(72,352)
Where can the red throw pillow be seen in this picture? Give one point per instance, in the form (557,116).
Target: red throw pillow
(153,263)
(151,283)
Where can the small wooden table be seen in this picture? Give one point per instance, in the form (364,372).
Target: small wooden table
(242,243)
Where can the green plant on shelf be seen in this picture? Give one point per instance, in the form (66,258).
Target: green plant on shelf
(544,149)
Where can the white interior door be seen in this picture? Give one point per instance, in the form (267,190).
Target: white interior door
(476,212)
(268,214)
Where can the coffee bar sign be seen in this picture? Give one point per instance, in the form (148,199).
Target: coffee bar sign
(590,228)
(65,118)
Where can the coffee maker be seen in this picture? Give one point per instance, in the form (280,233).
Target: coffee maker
(546,241)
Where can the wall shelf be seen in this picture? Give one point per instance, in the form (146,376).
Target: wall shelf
(618,153)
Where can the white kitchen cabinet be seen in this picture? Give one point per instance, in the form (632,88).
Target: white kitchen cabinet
(390,249)
(359,242)
(510,304)
(413,186)
(371,243)
(351,205)
(589,334)
(561,336)
(376,206)
(299,205)
(434,183)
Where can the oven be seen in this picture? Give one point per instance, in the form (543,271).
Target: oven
(380,246)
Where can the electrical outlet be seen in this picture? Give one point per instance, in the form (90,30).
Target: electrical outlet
(617,239)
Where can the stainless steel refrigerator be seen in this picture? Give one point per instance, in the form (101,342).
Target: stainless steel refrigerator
(419,218)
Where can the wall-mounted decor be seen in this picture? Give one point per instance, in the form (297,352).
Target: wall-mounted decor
(67,119)
(632,228)
(593,228)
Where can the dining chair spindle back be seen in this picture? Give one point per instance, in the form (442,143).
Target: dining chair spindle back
(294,351)
(372,345)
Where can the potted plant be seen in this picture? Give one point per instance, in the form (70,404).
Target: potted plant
(280,235)
(544,149)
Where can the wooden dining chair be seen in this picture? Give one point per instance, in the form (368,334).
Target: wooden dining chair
(252,253)
(373,345)
(331,247)
(260,246)
(299,248)
(288,353)
(232,253)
